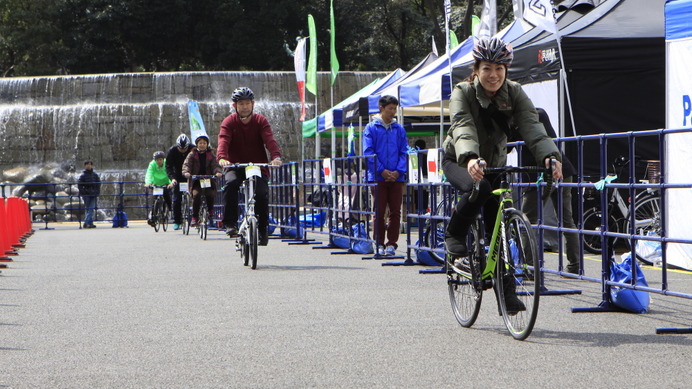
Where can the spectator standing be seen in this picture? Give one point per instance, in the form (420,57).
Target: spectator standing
(386,139)
(89,185)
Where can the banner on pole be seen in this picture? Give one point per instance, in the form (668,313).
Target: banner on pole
(299,62)
(196,123)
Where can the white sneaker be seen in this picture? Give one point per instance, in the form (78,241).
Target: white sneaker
(390,251)
(380,250)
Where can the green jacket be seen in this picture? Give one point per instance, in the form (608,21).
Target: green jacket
(467,138)
(156,175)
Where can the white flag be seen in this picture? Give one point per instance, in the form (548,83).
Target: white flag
(448,15)
(434,46)
(488,26)
(540,14)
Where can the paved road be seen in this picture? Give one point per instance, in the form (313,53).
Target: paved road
(130,308)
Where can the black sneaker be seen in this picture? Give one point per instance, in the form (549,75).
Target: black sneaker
(151,222)
(263,239)
(513,304)
(455,247)
(232,231)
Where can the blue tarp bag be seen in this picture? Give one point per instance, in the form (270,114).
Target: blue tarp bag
(340,241)
(361,246)
(438,242)
(120,218)
(272,224)
(290,232)
(636,301)
(313,219)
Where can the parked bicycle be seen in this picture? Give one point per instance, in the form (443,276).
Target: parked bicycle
(160,213)
(510,259)
(248,233)
(647,214)
(203,214)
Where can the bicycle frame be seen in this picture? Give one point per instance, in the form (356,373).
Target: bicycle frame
(506,202)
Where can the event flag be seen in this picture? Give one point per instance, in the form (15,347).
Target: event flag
(311,82)
(448,16)
(299,61)
(453,41)
(488,19)
(196,123)
(351,142)
(332,45)
(540,14)
(434,47)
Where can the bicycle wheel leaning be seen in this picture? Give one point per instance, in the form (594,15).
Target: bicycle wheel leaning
(465,289)
(592,222)
(518,272)
(647,219)
(186,214)
(253,242)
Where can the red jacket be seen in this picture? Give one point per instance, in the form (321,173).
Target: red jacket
(243,143)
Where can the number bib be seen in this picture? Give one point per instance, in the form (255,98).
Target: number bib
(253,171)
(158,191)
(205,183)
(183,187)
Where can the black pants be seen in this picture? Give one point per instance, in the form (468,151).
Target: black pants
(234,179)
(467,211)
(177,204)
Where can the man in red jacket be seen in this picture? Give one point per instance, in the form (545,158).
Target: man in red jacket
(243,137)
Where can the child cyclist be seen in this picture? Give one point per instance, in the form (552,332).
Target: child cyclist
(201,161)
(157,176)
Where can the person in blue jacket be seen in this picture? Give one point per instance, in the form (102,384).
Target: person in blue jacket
(89,185)
(386,139)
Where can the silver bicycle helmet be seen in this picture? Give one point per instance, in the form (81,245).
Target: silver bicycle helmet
(242,93)
(202,137)
(183,141)
(159,154)
(493,50)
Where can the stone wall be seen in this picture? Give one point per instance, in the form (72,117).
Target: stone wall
(119,120)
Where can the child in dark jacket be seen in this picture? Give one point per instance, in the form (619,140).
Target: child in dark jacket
(201,161)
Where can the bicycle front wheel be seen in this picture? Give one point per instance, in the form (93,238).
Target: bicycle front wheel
(203,222)
(254,241)
(465,290)
(185,207)
(155,215)
(518,276)
(647,219)
(592,222)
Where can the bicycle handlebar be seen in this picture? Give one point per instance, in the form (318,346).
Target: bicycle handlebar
(197,177)
(547,177)
(239,165)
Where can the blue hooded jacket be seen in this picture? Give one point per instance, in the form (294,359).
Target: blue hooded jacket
(389,144)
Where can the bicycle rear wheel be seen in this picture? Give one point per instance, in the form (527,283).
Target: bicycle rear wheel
(518,272)
(186,214)
(647,219)
(203,222)
(253,243)
(465,290)
(434,232)
(155,214)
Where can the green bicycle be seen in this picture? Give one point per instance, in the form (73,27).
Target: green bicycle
(510,264)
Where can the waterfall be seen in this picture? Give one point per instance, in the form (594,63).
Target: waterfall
(119,120)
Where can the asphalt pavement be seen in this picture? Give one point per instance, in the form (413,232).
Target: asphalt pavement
(132,308)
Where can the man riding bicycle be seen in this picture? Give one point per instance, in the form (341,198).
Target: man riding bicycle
(246,137)
(174,168)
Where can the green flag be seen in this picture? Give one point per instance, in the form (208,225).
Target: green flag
(311,81)
(475,24)
(309,128)
(453,41)
(332,46)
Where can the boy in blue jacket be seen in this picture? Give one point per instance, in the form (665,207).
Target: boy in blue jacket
(386,139)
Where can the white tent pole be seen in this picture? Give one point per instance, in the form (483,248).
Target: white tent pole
(317,131)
